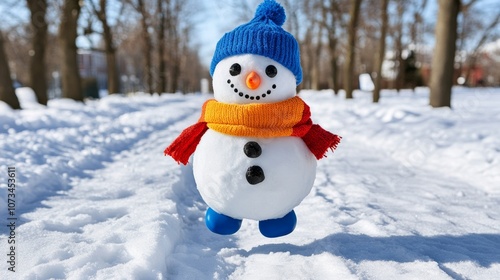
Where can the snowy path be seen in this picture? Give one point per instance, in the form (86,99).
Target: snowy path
(119,219)
(372,214)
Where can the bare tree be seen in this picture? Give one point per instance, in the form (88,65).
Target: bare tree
(178,30)
(477,25)
(381,52)
(351,48)
(38,68)
(444,53)
(416,26)
(307,57)
(140,7)
(333,24)
(166,46)
(177,40)
(316,70)
(70,76)
(109,46)
(486,33)
(398,44)
(311,45)
(7,92)
(161,86)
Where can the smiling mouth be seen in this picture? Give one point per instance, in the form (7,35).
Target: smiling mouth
(248,96)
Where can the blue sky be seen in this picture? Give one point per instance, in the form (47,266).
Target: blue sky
(215,19)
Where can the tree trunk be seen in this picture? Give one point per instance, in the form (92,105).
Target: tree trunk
(332,48)
(148,46)
(351,48)
(7,92)
(470,66)
(315,71)
(176,67)
(400,76)
(70,75)
(112,71)
(331,26)
(109,47)
(444,53)
(38,69)
(162,75)
(176,49)
(381,52)
(335,75)
(307,58)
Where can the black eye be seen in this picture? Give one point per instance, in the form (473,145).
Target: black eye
(235,69)
(271,71)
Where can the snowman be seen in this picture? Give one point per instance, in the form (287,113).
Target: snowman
(255,146)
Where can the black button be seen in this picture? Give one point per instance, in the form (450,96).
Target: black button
(255,175)
(252,149)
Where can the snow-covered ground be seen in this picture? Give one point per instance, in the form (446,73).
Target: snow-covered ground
(411,193)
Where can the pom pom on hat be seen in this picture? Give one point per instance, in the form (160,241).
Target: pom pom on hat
(271,10)
(263,35)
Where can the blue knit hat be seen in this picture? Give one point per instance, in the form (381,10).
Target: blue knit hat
(263,35)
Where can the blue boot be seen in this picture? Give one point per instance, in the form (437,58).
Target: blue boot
(220,223)
(278,227)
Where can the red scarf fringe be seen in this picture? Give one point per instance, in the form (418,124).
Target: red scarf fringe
(319,141)
(185,145)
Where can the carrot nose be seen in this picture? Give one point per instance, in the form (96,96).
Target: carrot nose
(253,80)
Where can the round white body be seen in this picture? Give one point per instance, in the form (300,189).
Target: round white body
(220,167)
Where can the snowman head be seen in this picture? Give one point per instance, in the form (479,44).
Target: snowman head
(249,78)
(254,46)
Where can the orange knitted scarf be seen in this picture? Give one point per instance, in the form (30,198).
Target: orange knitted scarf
(287,118)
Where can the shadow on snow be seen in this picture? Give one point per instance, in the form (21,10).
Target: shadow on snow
(479,248)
